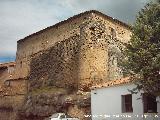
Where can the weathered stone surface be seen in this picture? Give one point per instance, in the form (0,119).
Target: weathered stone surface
(56,67)
(93,54)
(44,104)
(84,100)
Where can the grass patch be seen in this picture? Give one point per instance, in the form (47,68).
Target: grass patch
(47,90)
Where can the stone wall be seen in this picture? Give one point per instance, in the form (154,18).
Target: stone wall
(116,36)
(93,54)
(43,40)
(12,95)
(56,67)
(12,92)
(10,105)
(72,57)
(7,114)
(6,71)
(47,38)
(86,58)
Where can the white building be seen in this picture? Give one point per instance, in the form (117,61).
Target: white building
(113,101)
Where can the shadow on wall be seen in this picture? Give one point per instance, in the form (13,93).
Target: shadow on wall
(57,66)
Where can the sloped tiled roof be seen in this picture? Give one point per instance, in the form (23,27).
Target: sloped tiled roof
(113,83)
(5,65)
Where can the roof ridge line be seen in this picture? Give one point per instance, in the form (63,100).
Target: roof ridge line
(73,17)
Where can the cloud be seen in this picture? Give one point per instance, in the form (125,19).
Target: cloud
(19,18)
(124,10)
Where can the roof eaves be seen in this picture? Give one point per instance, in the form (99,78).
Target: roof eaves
(7,64)
(113,83)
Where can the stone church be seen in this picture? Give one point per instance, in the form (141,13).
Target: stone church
(56,67)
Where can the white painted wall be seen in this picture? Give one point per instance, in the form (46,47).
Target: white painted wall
(107,101)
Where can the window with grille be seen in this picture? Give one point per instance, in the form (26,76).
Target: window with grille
(127,103)
(149,103)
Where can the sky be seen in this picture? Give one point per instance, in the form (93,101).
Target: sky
(20,18)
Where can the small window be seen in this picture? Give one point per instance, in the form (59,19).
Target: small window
(127,103)
(113,33)
(21,64)
(149,103)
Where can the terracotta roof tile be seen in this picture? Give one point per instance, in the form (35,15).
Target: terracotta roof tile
(113,83)
(3,65)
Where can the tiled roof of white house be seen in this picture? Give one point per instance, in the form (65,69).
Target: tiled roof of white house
(113,83)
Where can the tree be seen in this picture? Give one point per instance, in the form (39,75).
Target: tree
(142,53)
